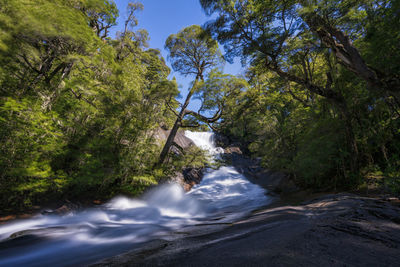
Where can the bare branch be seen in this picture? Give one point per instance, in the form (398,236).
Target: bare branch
(190,125)
(205,119)
(171,109)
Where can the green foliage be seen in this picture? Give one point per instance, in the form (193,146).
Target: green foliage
(78,108)
(192,51)
(315,108)
(219,88)
(194,157)
(320,154)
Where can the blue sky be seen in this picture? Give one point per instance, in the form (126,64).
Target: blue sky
(164,17)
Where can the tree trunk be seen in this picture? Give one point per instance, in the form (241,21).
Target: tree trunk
(349,56)
(177,124)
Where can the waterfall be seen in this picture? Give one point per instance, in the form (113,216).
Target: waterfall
(204,140)
(224,195)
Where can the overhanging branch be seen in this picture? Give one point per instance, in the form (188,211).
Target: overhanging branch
(205,119)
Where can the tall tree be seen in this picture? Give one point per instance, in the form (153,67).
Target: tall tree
(215,94)
(192,52)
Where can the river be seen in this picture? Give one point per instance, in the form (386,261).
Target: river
(122,224)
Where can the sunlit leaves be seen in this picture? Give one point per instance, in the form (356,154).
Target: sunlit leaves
(193,51)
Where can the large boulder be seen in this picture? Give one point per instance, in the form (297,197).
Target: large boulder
(277,182)
(180,139)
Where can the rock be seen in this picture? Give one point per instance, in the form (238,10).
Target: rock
(189,176)
(97,202)
(233,149)
(180,138)
(7,218)
(66,208)
(277,182)
(193,175)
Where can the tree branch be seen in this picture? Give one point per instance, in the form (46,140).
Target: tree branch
(348,54)
(205,119)
(319,90)
(171,109)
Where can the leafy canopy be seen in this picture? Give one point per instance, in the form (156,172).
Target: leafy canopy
(193,51)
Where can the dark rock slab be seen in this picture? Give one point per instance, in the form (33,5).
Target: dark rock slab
(193,175)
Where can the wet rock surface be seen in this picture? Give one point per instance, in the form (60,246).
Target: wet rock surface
(273,181)
(333,230)
(65,208)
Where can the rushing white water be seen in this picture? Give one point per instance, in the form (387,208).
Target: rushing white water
(204,140)
(123,223)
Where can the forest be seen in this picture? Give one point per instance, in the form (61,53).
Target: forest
(80,107)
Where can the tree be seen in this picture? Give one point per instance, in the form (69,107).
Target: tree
(217,92)
(274,36)
(192,52)
(337,59)
(265,29)
(78,109)
(128,39)
(287,37)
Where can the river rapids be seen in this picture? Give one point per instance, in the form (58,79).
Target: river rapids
(84,237)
